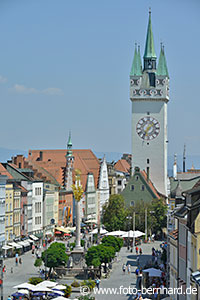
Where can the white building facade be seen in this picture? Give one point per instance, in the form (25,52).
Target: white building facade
(149,87)
(3,179)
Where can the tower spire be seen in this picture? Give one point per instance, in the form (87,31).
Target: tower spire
(136,69)
(149,54)
(162,64)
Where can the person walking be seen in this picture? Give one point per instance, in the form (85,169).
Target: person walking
(9,298)
(140,251)
(97,283)
(16,261)
(137,272)
(124,268)
(129,268)
(136,249)
(20,261)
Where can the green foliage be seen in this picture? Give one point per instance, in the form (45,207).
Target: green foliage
(82,243)
(55,255)
(159,217)
(96,255)
(35,280)
(156,216)
(75,284)
(72,245)
(113,241)
(114,213)
(38,262)
(67,291)
(90,283)
(92,256)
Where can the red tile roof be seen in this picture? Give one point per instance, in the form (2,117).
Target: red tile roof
(149,182)
(3,171)
(54,161)
(122,165)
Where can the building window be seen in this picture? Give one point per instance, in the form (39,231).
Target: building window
(132,203)
(38,191)
(142,187)
(148,160)
(6,220)
(136,177)
(132,187)
(119,182)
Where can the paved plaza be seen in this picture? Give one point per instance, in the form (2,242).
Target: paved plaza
(22,273)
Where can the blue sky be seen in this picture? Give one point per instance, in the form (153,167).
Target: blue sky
(64,65)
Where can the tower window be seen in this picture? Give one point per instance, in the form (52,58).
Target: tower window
(136,177)
(148,113)
(132,187)
(147,160)
(142,187)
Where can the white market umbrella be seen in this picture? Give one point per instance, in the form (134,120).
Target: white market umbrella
(60,298)
(47,283)
(102,231)
(133,234)
(153,272)
(24,291)
(59,287)
(116,233)
(42,289)
(25,285)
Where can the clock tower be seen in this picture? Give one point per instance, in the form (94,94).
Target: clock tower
(149,87)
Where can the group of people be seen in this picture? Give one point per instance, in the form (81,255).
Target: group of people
(126,267)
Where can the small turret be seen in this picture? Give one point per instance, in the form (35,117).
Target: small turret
(162,64)
(136,69)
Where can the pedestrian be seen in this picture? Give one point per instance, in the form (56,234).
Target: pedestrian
(9,298)
(16,261)
(136,249)
(129,268)
(124,268)
(140,251)
(137,272)
(20,260)
(97,283)
(4,269)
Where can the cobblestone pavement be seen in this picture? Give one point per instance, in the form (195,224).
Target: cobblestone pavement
(117,279)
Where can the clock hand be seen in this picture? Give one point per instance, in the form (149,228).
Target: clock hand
(148,129)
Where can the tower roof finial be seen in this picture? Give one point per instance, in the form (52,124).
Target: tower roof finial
(149,48)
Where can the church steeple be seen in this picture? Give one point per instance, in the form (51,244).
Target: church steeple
(162,64)
(149,54)
(69,165)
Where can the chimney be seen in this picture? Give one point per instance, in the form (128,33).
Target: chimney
(41,156)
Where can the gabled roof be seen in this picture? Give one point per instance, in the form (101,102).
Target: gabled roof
(54,161)
(122,165)
(150,184)
(3,171)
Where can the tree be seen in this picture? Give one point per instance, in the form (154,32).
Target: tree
(113,241)
(159,215)
(92,257)
(38,263)
(114,213)
(55,256)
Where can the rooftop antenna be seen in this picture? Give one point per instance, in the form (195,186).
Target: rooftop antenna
(184,157)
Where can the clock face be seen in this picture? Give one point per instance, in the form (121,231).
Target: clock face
(148,128)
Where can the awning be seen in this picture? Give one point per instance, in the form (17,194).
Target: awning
(6,247)
(15,245)
(49,233)
(62,229)
(28,240)
(33,237)
(58,232)
(24,243)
